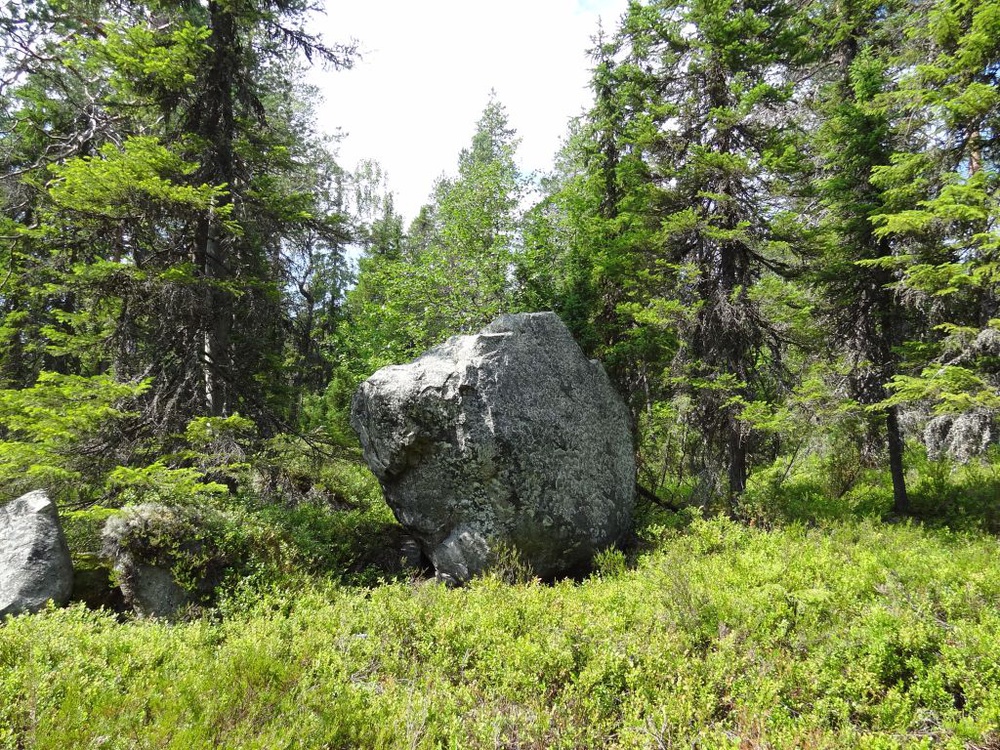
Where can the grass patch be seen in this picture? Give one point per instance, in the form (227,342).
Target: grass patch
(720,636)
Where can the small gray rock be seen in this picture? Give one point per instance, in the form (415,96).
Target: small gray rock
(153,592)
(144,544)
(510,438)
(35,564)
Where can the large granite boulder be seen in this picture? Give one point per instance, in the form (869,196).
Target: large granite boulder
(35,564)
(510,438)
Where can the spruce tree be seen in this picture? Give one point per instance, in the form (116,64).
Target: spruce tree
(855,139)
(161,199)
(452,272)
(695,199)
(941,213)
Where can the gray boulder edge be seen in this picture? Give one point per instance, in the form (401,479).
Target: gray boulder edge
(507,438)
(35,563)
(960,437)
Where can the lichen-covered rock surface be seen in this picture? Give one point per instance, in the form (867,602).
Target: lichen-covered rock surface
(960,436)
(510,438)
(35,564)
(150,544)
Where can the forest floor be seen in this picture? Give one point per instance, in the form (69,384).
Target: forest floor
(711,634)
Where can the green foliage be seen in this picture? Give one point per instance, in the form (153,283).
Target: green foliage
(157,482)
(610,563)
(849,636)
(352,543)
(144,59)
(451,273)
(941,211)
(952,389)
(207,463)
(773,246)
(130,182)
(57,433)
(507,565)
(220,447)
(314,466)
(818,488)
(668,210)
(63,434)
(83,528)
(163,187)
(959,496)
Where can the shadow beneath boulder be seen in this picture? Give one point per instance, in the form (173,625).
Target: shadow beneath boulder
(93,585)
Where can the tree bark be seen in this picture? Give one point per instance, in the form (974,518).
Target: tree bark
(900,500)
(737,464)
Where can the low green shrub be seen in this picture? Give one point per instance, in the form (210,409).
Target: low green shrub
(291,469)
(83,528)
(816,489)
(845,635)
(610,562)
(60,432)
(320,540)
(961,496)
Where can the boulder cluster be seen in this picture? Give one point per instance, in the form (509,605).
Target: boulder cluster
(36,567)
(508,445)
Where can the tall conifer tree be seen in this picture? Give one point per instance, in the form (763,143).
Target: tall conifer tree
(856,138)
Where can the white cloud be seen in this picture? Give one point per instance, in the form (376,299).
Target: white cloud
(413,100)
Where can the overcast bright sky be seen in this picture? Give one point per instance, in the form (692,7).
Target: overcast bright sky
(428,66)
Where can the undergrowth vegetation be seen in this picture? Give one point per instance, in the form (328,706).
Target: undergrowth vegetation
(711,634)
(808,617)
(942,492)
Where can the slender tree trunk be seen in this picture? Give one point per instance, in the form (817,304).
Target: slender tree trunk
(217,330)
(737,464)
(975,152)
(218,125)
(900,500)
(892,335)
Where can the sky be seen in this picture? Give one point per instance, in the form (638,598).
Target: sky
(428,66)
